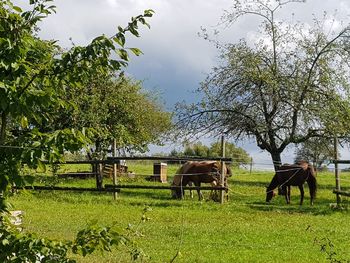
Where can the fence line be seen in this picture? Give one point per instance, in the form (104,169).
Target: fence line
(64,188)
(116,188)
(163,187)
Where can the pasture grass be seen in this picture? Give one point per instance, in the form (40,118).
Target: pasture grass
(245,229)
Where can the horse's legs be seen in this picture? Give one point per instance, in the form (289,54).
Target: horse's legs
(288,193)
(311,199)
(200,196)
(191,193)
(301,188)
(285,192)
(184,182)
(213,193)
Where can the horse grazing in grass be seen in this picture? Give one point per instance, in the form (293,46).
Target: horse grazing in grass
(198,172)
(293,175)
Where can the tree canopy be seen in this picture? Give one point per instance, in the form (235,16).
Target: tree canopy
(197,149)
(289,86)
(117,108)
(316,151)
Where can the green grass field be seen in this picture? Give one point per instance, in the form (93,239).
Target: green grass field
(245,229)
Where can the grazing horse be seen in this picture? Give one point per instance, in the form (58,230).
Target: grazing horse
(293,175)
(197,173)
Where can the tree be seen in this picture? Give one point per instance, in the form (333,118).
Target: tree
(287,87)
(196,149)
(34,76)
(117,108)
(315,150)
(239,156)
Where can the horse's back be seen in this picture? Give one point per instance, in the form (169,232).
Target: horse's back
(292,174)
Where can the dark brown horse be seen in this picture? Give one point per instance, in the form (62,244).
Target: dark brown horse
(293,175)
(197,173)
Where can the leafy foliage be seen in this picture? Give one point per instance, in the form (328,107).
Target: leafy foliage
(34,77)
(21,247)
(238,155)
(117,108)
(316,150)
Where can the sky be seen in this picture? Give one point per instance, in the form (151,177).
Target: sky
(175,58)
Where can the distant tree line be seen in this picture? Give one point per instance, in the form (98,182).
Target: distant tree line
(317,151)
(239,156)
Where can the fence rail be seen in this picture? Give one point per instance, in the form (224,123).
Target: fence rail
(116,188)
(163,187)
(340,161)
(62,188)
(339,192)
(115,160)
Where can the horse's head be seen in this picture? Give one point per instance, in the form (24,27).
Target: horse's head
(311,170)
(217,169)
(177,181)
(174,193)
(269,194)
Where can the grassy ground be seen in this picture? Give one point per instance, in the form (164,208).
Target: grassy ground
(245,229)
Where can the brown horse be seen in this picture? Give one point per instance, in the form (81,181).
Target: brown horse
(293,175)
(197,173)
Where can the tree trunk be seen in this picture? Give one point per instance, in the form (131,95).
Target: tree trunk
(3,128)
(276,159)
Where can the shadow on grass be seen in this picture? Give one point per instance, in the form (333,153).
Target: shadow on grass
(148,194)
(322,207)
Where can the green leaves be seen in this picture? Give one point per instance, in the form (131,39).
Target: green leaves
(24,122)
(97,238)
(119,39)
(17,8)
(123,54)
(20,247)
(136,51)
(119,108)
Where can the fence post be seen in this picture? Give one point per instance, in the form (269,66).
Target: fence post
(251,165)
(222,175)
(115,194)
(336,169)
(98,175)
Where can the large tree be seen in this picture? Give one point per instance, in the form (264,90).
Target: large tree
(288,86)
(120,109)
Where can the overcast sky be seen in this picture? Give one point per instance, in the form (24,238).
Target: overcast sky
(175,58)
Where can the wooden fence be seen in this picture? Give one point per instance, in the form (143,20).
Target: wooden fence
(97,171)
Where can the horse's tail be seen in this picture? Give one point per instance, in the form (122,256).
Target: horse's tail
(180,172)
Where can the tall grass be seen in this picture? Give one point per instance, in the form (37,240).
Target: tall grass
(245,229)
